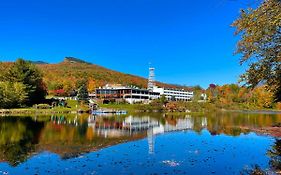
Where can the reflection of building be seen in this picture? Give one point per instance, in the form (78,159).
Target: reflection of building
(181,124)
(139,123)
(106,127)
(204,122)
(150,140)
(131,125)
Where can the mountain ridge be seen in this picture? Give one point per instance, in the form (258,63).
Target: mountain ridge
(67,74)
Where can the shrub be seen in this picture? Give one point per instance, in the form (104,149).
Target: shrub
(43,106)
(278,105)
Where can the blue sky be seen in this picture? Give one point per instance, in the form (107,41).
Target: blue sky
(188,42)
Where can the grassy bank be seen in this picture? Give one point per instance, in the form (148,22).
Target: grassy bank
(169,108)
(72,107)
(36,111)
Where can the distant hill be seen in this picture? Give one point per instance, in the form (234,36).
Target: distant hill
(67,75)
(39,62)
(74,60)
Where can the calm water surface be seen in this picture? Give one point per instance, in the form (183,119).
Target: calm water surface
(140,144)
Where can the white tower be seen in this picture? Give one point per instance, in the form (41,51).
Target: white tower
(151,79)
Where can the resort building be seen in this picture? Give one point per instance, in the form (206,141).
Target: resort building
(174,94)
(170,94)
(129,94)
(136,95)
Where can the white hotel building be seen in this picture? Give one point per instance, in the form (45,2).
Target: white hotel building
(174,94)
(170,94)
(129,94)
(135,95)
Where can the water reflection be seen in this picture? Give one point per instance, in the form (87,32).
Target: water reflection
(71,136)
(128,126)
(18,137)
(275,155)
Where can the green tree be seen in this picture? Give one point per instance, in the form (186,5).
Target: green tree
(81,82)
(197,90)
(260,45)
(26,73)
(163,100)
(82,92)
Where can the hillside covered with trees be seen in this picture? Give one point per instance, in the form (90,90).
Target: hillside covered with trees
(68,75)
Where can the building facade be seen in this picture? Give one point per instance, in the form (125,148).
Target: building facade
(174,94)
(129,94)
(170,94)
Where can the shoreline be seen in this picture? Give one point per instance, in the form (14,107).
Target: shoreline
(20,111)
(37,111)
(254,111)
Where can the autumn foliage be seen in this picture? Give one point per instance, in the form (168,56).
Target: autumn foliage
(260,45)
(232,95)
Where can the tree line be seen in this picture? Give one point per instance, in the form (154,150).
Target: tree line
(234,96)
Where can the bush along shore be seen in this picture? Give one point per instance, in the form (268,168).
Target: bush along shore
(186,107)
(65,107)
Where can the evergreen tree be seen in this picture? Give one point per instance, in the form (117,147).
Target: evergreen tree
(26,73)
(82,92)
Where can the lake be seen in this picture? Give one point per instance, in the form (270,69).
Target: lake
(216,143)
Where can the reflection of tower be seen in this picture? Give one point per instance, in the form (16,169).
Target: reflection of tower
(151,79)
(204,122)
(150,139)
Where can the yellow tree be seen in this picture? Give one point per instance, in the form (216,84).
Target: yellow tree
(262,97)
(260,45)
(92,85)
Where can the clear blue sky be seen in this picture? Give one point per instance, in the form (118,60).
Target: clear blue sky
(188,42)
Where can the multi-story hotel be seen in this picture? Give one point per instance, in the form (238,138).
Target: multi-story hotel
(135,95)
(174,94)
(129,94)
(170,94)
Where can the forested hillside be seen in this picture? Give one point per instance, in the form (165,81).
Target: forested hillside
(68,75)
